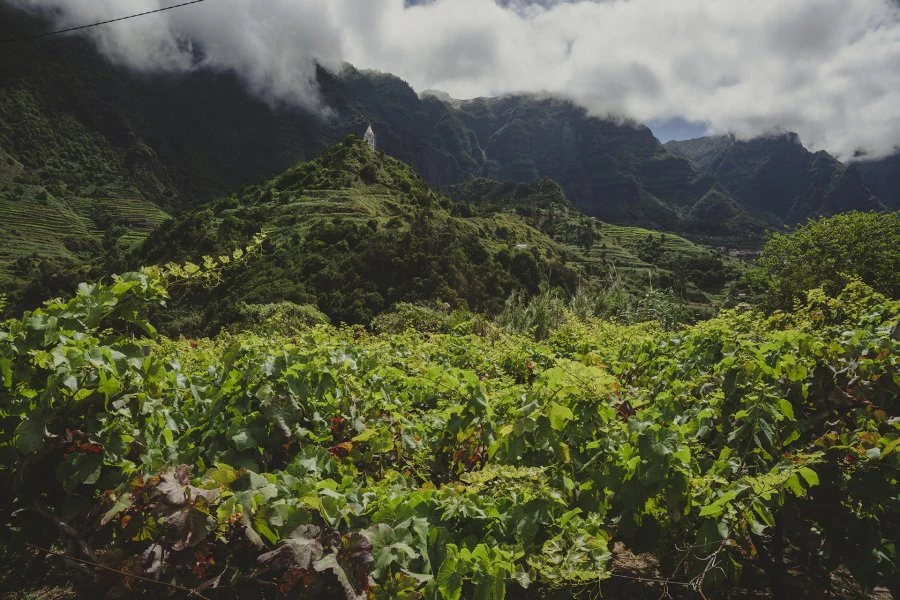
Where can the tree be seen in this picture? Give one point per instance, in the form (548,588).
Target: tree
(826,253)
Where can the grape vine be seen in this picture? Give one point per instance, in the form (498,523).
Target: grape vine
(337,463)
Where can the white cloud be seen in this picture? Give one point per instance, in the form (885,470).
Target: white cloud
(828,69)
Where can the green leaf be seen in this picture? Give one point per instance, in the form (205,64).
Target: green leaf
(390,545)
(664,442)
(809,476)
(764,513)
(718,506)
(366,435)
(30,435)
(79,468)
(560,416)
(786,408)
(244,440)
(449,579)
(793,484)
(124,501)
(6,378)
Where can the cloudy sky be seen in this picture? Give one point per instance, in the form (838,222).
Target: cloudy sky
(827,69)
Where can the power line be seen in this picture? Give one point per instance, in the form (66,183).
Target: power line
(149,12)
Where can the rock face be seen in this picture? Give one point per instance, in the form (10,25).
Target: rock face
(883,178)
(777,178)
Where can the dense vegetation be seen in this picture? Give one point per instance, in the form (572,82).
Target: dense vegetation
(826,253)
(477,463)
(390,391)
(354,232)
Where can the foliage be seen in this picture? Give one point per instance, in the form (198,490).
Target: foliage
(332,463)
(827,253)
(535,316)
(541,314)
(282,318)
(421,318)
(352,247)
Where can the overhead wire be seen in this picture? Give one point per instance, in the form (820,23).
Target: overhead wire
(107,22)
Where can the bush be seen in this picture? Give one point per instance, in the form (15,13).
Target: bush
(279,317)
(827,253)
(538,315)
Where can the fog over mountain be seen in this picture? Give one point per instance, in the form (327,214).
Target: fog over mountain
(823,68)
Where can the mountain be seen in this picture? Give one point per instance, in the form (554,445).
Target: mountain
(113,152)
(638,255)
(883,178)
(82,128)
(776,178)
(355,231)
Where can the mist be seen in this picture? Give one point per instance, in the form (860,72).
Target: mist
(826,69)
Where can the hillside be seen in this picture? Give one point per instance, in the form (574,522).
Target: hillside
(66,226)
(642,257)
(883,178)
(777,178)
(355,231)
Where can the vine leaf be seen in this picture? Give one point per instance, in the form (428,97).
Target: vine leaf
(450,576)
(175,487)
(390,546)
(560,416)
(79,468)
(330,563)
(301,550)
(190,525)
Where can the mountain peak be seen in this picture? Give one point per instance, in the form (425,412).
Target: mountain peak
(777,176)
(350,164)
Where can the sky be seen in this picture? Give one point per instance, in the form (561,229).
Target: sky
(826,69)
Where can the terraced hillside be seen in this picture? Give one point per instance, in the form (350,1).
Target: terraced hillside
(60,226)
(355,232)
(642,257)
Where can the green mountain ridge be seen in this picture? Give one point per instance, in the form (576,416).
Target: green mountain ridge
(356,231)
(82,127)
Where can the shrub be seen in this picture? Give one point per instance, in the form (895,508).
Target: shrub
(279,317)
(827,253)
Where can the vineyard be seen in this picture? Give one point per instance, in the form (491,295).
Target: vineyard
(336,463)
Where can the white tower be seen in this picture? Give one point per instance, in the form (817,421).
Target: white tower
(369,137)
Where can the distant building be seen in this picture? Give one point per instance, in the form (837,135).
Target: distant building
(369,137)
